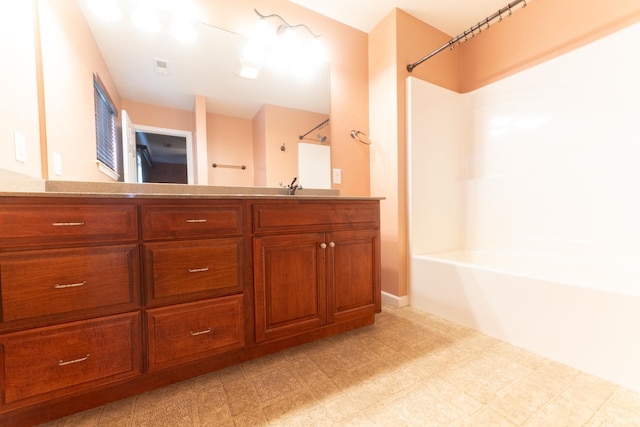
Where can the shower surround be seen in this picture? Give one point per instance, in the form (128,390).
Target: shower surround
(525,206)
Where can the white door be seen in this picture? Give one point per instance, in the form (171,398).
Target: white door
(129,162)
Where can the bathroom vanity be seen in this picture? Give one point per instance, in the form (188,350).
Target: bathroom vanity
(109,295)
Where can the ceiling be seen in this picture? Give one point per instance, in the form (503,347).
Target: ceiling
(451,17)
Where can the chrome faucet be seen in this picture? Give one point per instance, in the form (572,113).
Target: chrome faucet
(291,188)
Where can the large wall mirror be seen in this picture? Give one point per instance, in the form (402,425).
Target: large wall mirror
(253,126)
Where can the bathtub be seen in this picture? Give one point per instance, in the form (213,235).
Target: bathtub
(586,315)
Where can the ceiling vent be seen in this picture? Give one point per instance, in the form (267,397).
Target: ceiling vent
(161,66)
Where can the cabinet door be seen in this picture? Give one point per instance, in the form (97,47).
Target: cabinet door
(353,274)
(290,284)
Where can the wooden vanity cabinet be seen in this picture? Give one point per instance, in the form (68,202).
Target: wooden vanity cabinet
(194,273)
(105,297)
(70,297)
(304,281)
(192,251)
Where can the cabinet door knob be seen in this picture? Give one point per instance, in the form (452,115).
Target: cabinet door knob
(323,245)
(332,244)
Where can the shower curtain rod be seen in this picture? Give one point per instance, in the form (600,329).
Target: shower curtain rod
(324,122)
(470,32)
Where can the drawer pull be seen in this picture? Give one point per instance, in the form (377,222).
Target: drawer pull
(196,220)
(195,334)
(71,285)
(71,362)
(198,270)
(67,224)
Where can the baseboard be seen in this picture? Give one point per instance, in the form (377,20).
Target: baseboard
(395,301)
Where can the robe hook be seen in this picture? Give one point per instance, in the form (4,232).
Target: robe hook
(524,3)
(509,16)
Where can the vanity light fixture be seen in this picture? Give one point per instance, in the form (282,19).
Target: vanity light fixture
(249,72)
(285,47)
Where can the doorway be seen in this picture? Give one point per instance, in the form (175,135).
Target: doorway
(163,155)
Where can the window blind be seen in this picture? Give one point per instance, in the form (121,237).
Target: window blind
(106,129)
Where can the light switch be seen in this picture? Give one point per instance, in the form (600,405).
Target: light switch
(20,143)
(337,176)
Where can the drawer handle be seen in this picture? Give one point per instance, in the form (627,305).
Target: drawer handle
(71,285)
(67,224)
(198,270)
(71,362)
(196,220)
(195,334)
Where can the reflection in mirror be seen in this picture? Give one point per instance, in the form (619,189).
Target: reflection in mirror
(247,120)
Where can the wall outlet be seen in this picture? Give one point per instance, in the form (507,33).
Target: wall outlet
(20,143)
(57,164)
(337,176)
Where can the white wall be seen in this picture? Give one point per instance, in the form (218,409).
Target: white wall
(544,162)
(437,130)
(18,95)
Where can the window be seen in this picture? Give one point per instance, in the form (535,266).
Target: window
(106,129)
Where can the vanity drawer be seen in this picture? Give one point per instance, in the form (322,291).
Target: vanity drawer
(44,363)
(192,269)
(188,332)
(53,282)
(314,216)
(207,220)
(28,225)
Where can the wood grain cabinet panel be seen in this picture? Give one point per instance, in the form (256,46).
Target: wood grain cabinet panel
(183,270)
(28,225)
(289,284)
(196,221)
(51,361)
(354,278)
(314,216)
(188,332)
(307,280)
(37,284)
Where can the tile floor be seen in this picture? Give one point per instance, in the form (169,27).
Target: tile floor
(409,369)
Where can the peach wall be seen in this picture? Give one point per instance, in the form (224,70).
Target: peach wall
(19,100)
(282,166)
(540,32)
(259,148)
(202,163)
(230,142)
(347,50)
(70,57)
(544,30)
(156,116)
(393,43)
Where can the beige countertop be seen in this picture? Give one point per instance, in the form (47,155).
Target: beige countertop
(15,186)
